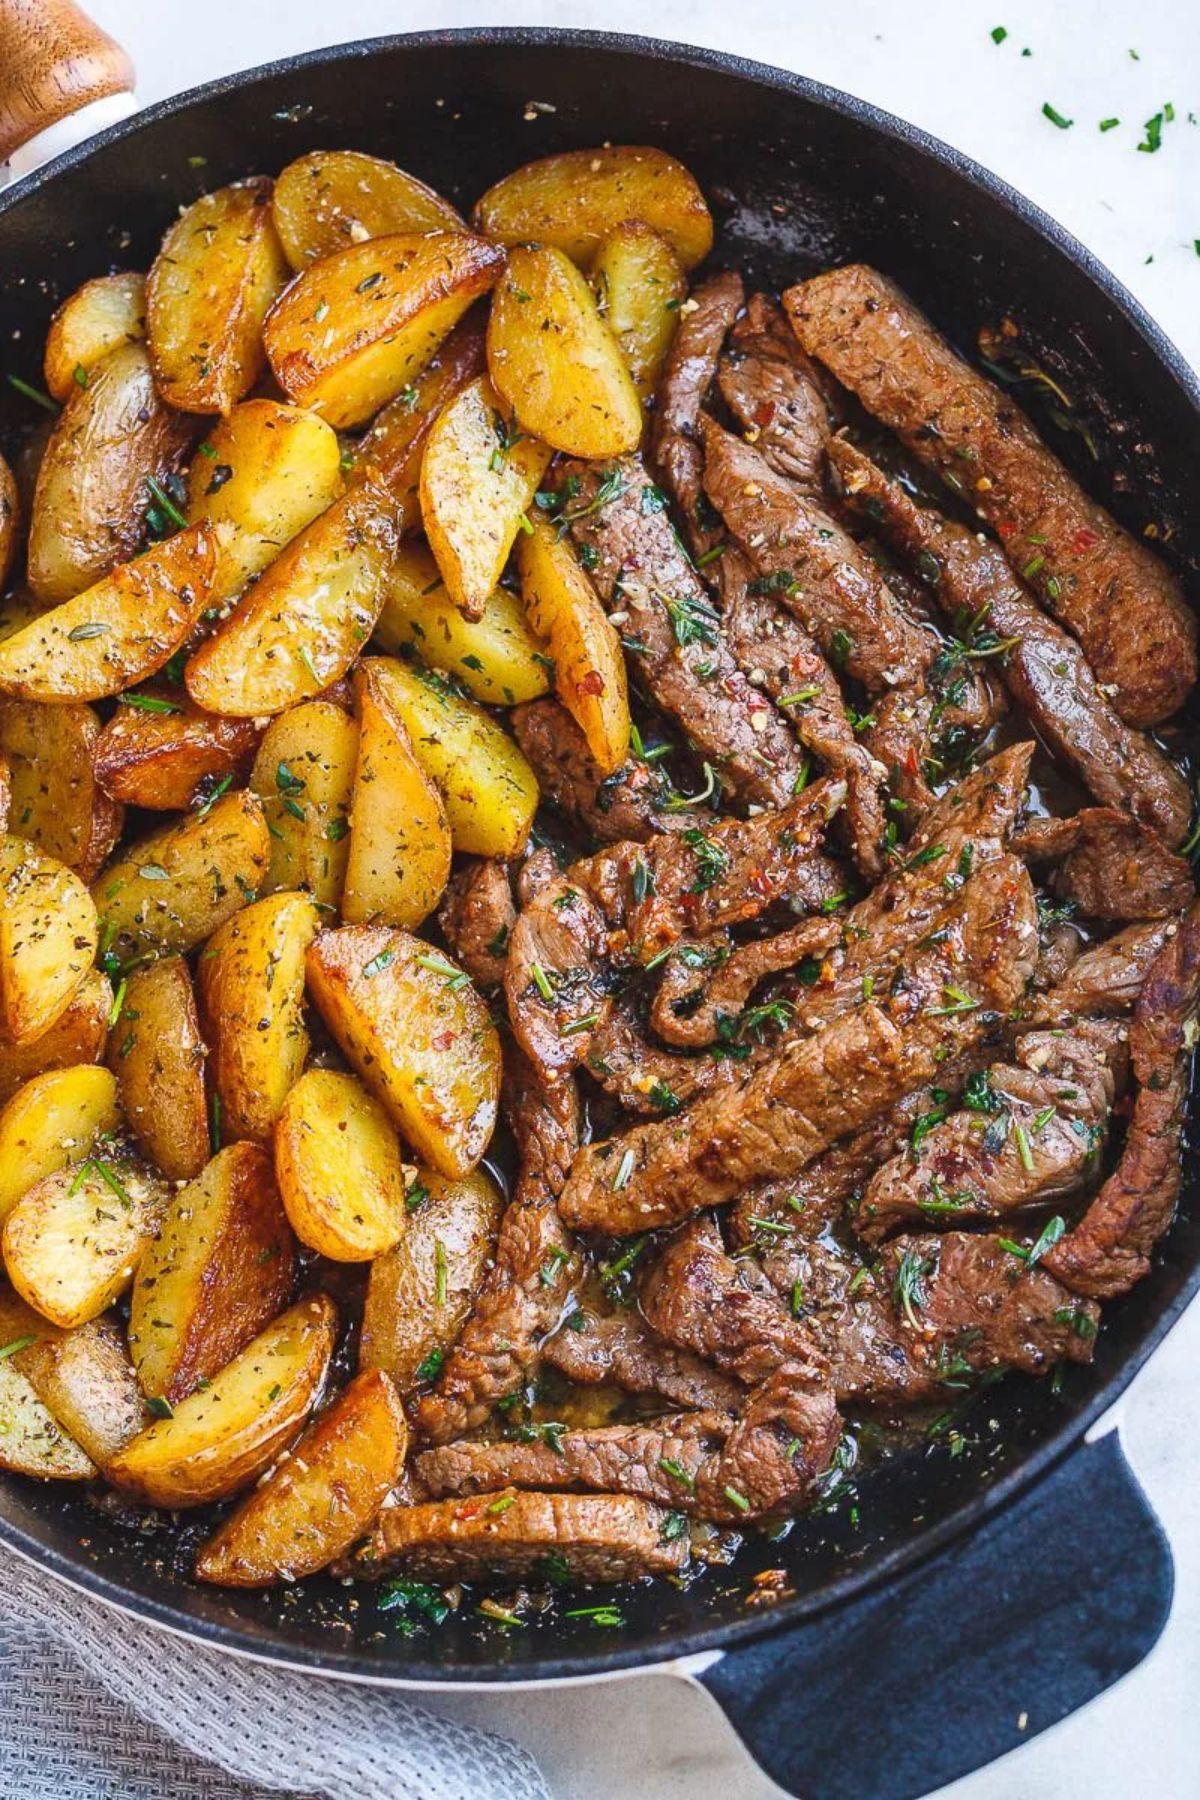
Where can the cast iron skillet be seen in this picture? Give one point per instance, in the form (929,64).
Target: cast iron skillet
(1024,1574)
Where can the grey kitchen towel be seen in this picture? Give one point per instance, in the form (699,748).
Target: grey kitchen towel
(96,1704)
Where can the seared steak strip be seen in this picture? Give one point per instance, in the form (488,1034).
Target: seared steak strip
(630,805)
(672,631)
(477,915)
(1109,1250)
(706,984)
(1123,605)
(643,1077)
(775,394)
(688,375)
(556,980)
(620,1347)
(1043,666)
(1108,865)
(1105,980)
(916,732)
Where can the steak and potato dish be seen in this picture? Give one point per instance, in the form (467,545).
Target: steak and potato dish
(595,887)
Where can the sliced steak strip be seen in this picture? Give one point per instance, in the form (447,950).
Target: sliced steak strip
(1109,1250)
(672,631)
(706,984)
(812,567)
(643,1077)
(919,733)
(630,805)
(1105,980)
(524,1292)
(1108,865)
(477,916)
(619,1347)
(556,979)
(1044,668)
(1123,605)
(687,377)
(593,1537)
(775,394)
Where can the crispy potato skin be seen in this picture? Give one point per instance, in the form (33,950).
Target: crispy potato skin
(589,664)
(304,777)
(423,1043)
(475,488)
(220,267)
(71,1243)
(78,1035)
(157,1054)
(33,1442)
(251,990)
(391,451)
(555,364)
(222,1437)
(639,286)
(53,754)
(96,319)
(50,1122)
(321,1498)
(90,502)
(10,518)
(221,1268)
(386,306)
(575,199)
(338,1165)
(165,761)
(420,1293)
(330,199)
(48,937)
(400,846)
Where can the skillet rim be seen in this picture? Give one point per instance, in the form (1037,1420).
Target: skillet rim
(1059,1443)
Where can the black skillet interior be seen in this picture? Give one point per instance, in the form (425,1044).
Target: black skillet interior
(798,178)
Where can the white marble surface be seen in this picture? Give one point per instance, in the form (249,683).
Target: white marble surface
(934,63)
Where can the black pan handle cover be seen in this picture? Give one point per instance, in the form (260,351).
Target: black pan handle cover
(933,1675)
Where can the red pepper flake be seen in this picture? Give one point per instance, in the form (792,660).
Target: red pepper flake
(1005,527)
(1085,539)
(762,415)
(443,1040)
(591,683)
(912,762)
(761,881)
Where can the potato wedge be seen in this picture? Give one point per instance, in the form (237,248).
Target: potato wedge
(400,848)
(308,615)
(119,631)
(221,1268)
(418,1034)
(589,663)
(321,1498)
(338,1165)
(78,1035)
(50,1122)
(355,328)
(420,1293)
(56,799)
(330,199)
(98,317)
(575,199)
(32,1442)
(83,1376)
(10,518)
(304,777)
(490,791)
(555,364)
(251,988)
(391,451)
(639,287)
(496,657)
(48,937)
(220,268)
(476,484)
(171,890)
(222,1437)
(17,609)
(163,752)
(157,1054)
(259,478)
(71,1243)
(5,796)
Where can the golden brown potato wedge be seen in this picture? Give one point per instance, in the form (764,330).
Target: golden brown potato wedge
(418,1034)
(338,1164)
(222,1437)
(171,890)
(321,1498)
(220,267)
(639,287)
(163,752)
(496,657)
(5,796)
(97,318)
(575,199)
(32,1442)
(355,328)
(48,938)
(490,791)
(259,478)
(307,616)
(83,1376)
(400,848)
(221,1268)
(78,1035)
(71,1243)
(112,438)
(304,776)
(116,633)
(251,985)
(555,364)
(157,1054)
(391,451)
(420,1293)
(17,609)
(589,663)
(52,753)
(477,480)
(50,1122)
(10,518)
(330,199)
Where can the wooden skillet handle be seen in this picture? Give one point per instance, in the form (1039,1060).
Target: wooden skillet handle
(53,62)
